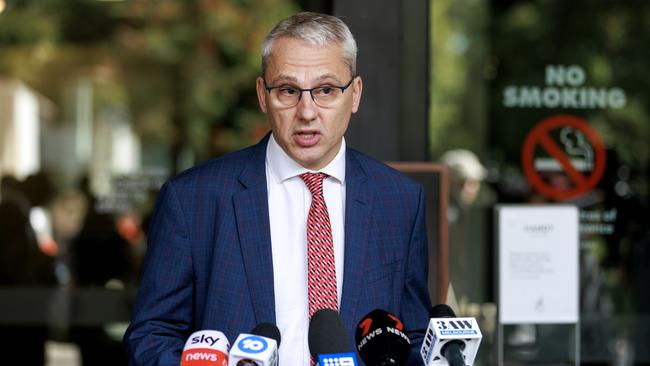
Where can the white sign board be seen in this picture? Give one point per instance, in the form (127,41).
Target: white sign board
(538,263)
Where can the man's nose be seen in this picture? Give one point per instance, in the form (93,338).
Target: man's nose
(307,108)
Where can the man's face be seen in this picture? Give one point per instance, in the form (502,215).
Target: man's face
(308,133)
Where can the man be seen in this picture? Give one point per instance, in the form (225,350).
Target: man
(232,241)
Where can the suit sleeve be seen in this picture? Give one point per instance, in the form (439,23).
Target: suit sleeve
(415,302)
(162,316)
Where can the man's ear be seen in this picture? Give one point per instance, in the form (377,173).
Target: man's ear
(357,88)
(261,93)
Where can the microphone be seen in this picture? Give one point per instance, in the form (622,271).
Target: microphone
(205,347)
(381,340)
(328,341)
(259,348)
(450,341)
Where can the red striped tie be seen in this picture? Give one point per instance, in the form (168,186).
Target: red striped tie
(321,278)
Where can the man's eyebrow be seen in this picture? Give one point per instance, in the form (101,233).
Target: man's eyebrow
(284,77)
(330,77)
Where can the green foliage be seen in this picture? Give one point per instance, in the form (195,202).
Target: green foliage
(480,46)
(457,110)
(180,67)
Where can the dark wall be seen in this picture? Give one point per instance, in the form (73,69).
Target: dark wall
(393,61)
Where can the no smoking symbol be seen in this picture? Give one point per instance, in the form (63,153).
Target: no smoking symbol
(576,136)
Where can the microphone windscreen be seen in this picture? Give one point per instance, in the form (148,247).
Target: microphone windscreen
(327,334)
(205,347)
(267,330)
(442,311)
(381,339)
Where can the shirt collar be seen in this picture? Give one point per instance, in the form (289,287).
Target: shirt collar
(282,167)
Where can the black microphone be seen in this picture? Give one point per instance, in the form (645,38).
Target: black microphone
(328,340)
(381,339)
(268,330)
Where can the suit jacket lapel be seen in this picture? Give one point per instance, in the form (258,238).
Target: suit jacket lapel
(358,205)
(252,216)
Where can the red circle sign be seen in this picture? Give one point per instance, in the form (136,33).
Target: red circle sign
(540,137)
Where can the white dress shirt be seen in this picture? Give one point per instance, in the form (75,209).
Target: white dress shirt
(289,201)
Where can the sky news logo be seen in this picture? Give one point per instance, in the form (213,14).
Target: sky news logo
(211,340)
(203,357)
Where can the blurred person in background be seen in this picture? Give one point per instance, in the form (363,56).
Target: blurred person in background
(22,264)
(99,257)
(40,191)
(468,215)
(470,241)
(99,254)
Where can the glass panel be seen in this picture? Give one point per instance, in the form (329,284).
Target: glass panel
(100,103)
(551,98)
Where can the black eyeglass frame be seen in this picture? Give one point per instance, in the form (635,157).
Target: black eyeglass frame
(310,90)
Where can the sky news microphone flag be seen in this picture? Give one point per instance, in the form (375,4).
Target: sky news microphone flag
(206,348)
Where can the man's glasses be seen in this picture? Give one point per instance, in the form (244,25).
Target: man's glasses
(324,95)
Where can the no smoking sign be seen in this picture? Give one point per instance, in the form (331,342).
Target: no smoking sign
(563,157)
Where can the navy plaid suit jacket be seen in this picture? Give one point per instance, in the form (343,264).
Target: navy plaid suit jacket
(209,265)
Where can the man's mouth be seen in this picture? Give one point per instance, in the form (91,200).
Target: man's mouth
(306,138)
(306,135)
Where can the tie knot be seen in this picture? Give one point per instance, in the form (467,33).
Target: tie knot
(314,182)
